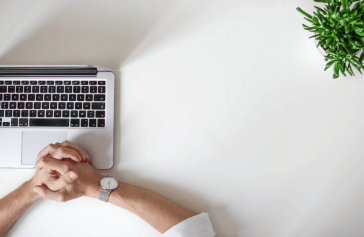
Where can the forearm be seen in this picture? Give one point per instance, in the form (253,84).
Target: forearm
(13,205)
(158,211)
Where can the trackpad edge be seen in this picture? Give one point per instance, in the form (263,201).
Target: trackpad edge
(34,141)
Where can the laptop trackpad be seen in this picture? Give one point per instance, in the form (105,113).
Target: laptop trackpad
(33,142)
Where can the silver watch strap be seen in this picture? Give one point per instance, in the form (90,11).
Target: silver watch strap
(104,195)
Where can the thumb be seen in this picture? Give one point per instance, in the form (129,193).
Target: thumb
(46,193)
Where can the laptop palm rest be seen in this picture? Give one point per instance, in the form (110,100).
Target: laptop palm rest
(33,142)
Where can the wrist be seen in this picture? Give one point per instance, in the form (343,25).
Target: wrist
(29,192)
(93,187)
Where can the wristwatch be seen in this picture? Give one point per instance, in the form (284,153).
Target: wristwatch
(108,184)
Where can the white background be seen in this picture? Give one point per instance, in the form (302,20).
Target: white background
(221,105)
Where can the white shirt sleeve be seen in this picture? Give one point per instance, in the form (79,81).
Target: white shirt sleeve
(196,226)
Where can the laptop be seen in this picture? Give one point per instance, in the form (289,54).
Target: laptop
(40,105)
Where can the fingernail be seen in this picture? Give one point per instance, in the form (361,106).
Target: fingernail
(36,189)
(73,175)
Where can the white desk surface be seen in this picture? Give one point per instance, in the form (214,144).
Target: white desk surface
(221,105)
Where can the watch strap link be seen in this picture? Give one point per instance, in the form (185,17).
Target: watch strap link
(104,195)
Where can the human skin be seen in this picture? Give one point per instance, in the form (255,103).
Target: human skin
(64,173)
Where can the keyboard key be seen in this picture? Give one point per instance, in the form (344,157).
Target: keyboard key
(16,113)
(69,105)
(1,96)
(24,113)
(57,113)
(54,105)
(12,105)
(90,114)
(1,82)
(67,82)
(64,97)
(11,89)
(35,89)
(84,122)
(41,82)
(16,82)
(23,122)
(4,105)
(72,97)
(65,113)
(85,89)
(74,113)
(23,97)
(93,82)
(47,97)
(33,82)
(7,97)
(75,122)
(86,105)
(62,105)
(78,105)
(52,89)
(6,124)
(75,82)
(68,89)
(99,97)
(89,97)
(82,114)
(102,82)
(40,113)
(59,82)
(55,97)
(27,89)
(8,113)
(39,97)
(50,82)
(93,89)
(49,122)
(31,97)
(98,105)
(29,105)
(60,89)
(76,89)
(37,105)
(25,82)
(101,123)
(49,113)
(15,97)
(80,97)
(33,113)
(100,114)
(102,89)
(45,105)
(3,89)
(43,89)
(8,82)
(14,122)
(21,105)
(84,82)
(1,113)
(19,89)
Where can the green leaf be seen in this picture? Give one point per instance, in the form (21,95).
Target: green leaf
(329,64)
(336,69)
(304,13)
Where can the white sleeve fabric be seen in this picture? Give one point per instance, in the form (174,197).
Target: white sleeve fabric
(196,226)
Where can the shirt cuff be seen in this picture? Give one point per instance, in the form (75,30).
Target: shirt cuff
(196,226)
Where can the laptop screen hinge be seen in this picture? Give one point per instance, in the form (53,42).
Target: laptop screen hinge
(47,71)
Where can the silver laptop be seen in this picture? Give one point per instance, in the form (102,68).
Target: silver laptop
(48,104)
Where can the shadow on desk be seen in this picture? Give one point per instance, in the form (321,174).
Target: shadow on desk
(224,225)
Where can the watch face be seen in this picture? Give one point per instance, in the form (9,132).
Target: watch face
(109,183)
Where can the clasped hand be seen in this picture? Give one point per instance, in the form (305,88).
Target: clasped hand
(63,172)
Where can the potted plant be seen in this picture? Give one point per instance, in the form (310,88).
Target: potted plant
(339,30)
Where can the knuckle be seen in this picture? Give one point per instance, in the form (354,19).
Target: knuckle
(66,142)
(62,149)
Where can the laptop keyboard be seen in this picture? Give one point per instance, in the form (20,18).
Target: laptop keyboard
(52,103)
